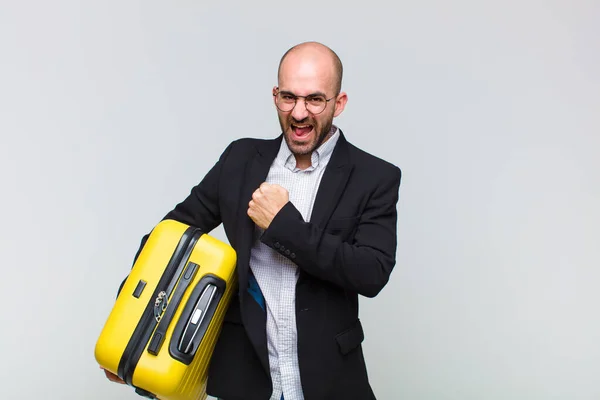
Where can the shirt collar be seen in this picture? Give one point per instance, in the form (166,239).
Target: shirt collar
(321,154)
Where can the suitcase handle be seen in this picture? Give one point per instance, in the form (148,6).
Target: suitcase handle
(196,317)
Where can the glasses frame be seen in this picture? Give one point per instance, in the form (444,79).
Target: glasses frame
(277,91)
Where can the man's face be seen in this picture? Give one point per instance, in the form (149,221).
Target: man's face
(303,130)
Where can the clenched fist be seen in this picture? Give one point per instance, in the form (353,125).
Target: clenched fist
(266,202)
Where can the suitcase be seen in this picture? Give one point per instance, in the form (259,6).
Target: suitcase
(163,327)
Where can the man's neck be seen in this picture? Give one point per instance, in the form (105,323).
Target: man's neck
(303,161)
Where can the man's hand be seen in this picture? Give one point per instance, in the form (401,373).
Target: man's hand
(266,202)
(112,377)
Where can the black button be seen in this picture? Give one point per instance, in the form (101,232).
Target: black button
(287,252)
(139,289)
(282,249)
(155,344)
(276,245)
(190,271)
(293,255)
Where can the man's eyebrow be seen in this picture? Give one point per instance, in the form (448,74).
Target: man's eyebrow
(308,95)
(317,94)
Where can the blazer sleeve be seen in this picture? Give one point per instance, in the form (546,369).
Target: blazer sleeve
(363,266)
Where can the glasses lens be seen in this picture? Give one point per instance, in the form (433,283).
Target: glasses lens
(285,102)
(316,104)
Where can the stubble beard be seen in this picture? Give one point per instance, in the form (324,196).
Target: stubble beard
(299,148)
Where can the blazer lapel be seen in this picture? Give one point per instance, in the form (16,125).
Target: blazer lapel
(256,173)
(253,316)
(333,183)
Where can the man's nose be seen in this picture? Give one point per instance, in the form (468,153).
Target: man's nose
(300,112)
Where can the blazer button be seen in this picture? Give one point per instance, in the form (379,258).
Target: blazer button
(293,255)
(282,249)
(277,245)
(287,252)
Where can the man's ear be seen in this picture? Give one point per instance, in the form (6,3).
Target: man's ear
(340,103)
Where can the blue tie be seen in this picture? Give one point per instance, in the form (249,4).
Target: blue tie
(255,291)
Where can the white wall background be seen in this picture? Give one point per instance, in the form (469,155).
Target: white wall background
(110,111)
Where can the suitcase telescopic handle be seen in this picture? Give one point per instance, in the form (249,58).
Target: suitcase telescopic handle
(198,316)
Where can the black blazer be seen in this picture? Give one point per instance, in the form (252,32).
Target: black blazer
(347,249)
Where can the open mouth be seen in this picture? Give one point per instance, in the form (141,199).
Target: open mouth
(301,131)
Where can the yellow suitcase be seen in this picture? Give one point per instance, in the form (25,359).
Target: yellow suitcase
(161,332)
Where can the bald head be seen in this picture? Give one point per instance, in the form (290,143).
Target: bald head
(316,53)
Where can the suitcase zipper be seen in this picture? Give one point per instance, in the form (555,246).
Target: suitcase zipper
(140,337)
(163,323)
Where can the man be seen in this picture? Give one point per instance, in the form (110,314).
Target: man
(313,221)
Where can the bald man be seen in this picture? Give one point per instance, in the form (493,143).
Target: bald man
(313,221)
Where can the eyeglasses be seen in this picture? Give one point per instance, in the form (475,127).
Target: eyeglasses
(315,103)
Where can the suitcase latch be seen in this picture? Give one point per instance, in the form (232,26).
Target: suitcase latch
(160,305)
